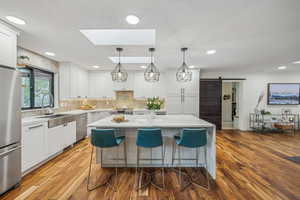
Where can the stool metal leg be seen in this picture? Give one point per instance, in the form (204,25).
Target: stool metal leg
(150,175)
(136,168)
(125,153)
(207,175)
(163,163)
(179,157)
(182,187)
(197,157)
(173,152)
(89,175)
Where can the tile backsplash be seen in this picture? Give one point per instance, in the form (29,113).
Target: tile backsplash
(124,99)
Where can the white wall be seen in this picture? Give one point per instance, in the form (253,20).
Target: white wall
(251,88)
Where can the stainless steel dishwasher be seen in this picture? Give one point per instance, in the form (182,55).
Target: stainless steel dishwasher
(81,126)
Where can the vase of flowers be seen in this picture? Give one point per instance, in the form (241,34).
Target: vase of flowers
(154,103)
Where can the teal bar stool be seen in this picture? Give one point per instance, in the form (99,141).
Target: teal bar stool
(191,138)
(149,138)
(105,138)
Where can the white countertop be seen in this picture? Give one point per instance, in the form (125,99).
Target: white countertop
(164,121)
(36,120)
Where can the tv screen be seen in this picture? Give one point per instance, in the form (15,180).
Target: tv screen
(283,93)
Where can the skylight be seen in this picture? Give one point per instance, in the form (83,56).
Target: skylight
(133,60)
(120,36)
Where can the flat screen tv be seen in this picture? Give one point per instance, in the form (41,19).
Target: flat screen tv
(283,93)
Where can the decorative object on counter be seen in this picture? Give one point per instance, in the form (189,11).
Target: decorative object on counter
(23,61)
(119,74)
(86,106)
(119,119)
(286,111)
(152,72)
(184,74)
(264,112)
(154,103)
(260,98)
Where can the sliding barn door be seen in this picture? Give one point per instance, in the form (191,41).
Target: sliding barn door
(211,101)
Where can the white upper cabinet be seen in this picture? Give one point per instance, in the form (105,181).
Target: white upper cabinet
(100,85)
(182,98)
(174,87)
(8,46)
(73,81)
(143,89)
(127,85)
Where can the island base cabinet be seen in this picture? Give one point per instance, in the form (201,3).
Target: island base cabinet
(111,156)
(33,145)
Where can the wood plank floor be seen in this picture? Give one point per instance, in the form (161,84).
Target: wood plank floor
(249,166)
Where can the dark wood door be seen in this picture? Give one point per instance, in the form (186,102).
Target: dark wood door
(211,101)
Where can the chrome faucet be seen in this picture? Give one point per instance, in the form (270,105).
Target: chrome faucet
(49,110)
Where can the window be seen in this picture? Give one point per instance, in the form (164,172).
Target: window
(37,88)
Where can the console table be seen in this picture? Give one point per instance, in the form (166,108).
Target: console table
(274,122)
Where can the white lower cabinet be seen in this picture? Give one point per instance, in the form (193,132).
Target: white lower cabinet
(39,142)
(69,133)
(33,145)
(54,140)
(60,137)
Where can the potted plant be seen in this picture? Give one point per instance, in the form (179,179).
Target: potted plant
(154,103)
(23,60)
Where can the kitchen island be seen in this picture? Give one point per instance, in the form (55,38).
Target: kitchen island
(170,125)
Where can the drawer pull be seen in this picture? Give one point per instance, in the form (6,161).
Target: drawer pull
(34,127)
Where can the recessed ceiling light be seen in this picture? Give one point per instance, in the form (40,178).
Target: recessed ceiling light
(143,66)
(282,67)
(297,62)
(15,20)
(96,66)
(211,52)
(132,19)
(50,53)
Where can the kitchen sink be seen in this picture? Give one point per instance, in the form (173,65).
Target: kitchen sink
(58,119)
(54,116)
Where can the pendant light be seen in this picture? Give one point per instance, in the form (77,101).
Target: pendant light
(119,74)
(184,74)
(151,73)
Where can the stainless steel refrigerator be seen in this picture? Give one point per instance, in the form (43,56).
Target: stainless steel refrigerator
(10,128)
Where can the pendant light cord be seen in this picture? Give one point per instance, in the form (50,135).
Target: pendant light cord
(151,62)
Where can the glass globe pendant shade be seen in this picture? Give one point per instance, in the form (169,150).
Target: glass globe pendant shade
(151,73)
(119,74)
(184,74)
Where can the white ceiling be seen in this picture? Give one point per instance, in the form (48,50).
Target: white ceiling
(245,33)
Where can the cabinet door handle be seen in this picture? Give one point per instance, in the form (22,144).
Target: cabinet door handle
(65,124)
(34,127)
(183,94)
(9,151)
